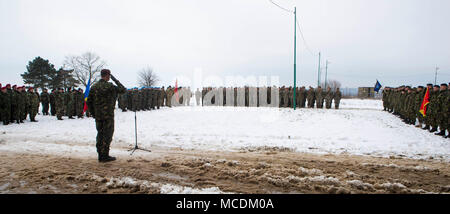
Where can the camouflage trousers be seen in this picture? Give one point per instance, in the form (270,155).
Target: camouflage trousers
(32,112)
(336,104)
(59,111)
(105,131)
(45,108)
(443,122)
(328,103)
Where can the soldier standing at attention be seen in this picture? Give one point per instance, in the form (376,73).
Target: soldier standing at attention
(22,103)
(45,100)
(328,98)
(59,103)
(5,106)
(101,102)
(337,98)
(52,103)
(33,102)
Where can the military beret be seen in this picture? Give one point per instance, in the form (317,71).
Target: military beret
(443,84)
(4,88)
(436,86)
(420,87)
(9,85)
(14,86)
(429,84)
(105,72)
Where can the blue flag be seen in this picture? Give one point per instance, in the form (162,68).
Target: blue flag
(377,87)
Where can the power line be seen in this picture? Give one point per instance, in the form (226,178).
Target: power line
(287,10)
(304,40)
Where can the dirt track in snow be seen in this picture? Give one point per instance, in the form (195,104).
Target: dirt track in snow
(263,170)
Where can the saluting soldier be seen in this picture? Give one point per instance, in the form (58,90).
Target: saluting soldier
(101,103)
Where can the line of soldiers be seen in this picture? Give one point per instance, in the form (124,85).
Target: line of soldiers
(148,98)
(304,98)
(69,103)
(406,102)
(17,103)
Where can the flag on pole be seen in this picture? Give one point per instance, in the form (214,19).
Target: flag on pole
(176,89)
(426,101)
(377,86)
(86,94)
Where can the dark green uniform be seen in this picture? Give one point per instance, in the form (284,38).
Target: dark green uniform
(59,104)
(337,98)
(33,102)
(5,107)
(101,103)
(45,100)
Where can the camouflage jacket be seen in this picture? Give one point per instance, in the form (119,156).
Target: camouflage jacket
(45,97)
(102,99)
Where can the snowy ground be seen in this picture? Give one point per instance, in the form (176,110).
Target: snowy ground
(356,149)
(360,127)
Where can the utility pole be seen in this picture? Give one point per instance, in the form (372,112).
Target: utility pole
(295,56)
(318,72)
(326,75)
(435,75)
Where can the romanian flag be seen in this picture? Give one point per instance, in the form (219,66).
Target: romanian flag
(426,101)
(86,94)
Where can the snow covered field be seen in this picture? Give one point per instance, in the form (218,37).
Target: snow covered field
(360,127)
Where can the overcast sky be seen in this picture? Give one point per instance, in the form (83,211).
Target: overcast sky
(394,41)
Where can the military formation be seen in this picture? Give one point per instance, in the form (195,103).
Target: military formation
(406,103)
(150,98)
(305,98)
(17,103)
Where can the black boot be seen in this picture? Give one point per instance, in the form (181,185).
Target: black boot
(427,127)
(21,121)
(434,129)
(441,133)
(59,118)
(71,118)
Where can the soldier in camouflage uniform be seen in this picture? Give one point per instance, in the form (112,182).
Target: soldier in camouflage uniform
(328,98)
(101,102)
(5,106)
(33,103)
(52,103)
(45,100)
(68,101)
(420,94)
(80,103)
(337,98)
(163,95)
(310,97)
(22,104)
(59,103)
(123,100)
(433,109)
(135,100)
(442,119)
(319,97)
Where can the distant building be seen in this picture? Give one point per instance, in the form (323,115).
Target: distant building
(366,92)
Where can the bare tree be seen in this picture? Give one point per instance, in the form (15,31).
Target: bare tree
(333,84)
(147,77)
(85,67)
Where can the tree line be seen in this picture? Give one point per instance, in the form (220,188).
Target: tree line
(77,71)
